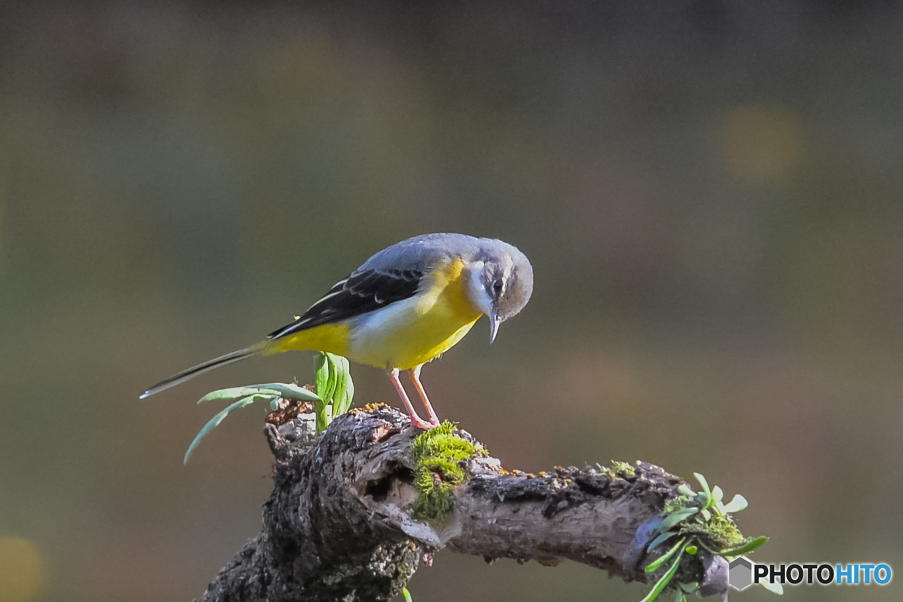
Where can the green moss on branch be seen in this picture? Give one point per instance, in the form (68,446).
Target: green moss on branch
(620,469)
(438,458)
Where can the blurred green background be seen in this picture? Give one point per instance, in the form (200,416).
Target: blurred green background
(710,193)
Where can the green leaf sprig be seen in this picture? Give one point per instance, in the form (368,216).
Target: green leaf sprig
(333,397)
(335,389)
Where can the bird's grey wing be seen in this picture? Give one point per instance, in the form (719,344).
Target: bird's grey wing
(365,290)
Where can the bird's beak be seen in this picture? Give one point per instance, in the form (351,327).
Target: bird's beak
(493,325)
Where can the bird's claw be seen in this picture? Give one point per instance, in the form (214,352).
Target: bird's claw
(422,424)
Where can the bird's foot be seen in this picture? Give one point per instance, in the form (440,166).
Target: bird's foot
(422,424)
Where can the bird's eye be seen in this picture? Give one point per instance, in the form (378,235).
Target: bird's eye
(497,286)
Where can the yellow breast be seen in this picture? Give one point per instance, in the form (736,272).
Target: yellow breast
(416,330)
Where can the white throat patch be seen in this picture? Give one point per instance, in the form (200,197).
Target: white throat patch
(476,290)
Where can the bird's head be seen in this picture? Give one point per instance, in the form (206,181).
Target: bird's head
(501,282)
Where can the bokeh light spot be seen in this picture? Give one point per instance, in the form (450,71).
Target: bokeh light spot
(21,569)
(760,144)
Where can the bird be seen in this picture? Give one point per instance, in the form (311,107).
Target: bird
(403,307)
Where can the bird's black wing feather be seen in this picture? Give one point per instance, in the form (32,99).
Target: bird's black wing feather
(363,291)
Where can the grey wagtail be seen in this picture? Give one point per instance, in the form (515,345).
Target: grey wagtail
(405,306)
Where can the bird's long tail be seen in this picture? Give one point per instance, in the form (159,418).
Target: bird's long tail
(216,362)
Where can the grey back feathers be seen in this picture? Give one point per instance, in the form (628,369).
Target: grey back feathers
(424,252)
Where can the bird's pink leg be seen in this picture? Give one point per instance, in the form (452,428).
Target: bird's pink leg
(415,378)
(412,414)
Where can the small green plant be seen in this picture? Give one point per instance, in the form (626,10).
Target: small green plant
(618,469)
(333,396)
(437,455)
(335,388)
(694,520)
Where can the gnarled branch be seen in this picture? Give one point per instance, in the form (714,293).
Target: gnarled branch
(339,525)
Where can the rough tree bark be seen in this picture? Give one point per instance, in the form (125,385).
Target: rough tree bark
(338,525)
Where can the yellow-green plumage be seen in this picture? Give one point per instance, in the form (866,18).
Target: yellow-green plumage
(326,337)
